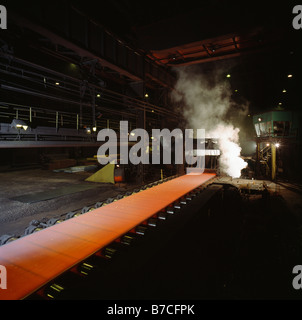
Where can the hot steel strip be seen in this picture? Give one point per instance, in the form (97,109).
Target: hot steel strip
(36,259)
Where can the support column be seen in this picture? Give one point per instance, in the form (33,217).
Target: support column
(257,169)
(273,162)
(141,123)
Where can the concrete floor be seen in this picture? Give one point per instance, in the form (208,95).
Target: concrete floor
(291,193)
(15,216)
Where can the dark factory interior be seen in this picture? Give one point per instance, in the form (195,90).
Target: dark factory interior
(85,219)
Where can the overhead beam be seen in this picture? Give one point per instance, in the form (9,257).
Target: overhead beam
(216,58)
(55,38)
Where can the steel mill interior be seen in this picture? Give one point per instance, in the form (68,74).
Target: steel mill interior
(150,150)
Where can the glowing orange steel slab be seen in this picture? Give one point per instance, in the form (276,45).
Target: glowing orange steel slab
(34,260)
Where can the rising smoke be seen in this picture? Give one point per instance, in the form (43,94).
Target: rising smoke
(207,103)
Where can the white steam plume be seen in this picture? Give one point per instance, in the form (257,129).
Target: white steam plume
(208,105)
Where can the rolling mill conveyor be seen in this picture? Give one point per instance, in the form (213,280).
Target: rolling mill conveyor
(36,259)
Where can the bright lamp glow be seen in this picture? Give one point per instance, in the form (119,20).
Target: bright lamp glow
(19,124)
(277,145)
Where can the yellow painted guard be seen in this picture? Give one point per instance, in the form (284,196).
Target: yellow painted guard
(105,174)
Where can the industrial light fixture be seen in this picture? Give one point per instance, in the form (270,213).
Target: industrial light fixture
(57,83)
(84,268)
(277,145)
(284,90)
(267,144)
(94,129)
(146,95)
(88,130)
(259,119)
(141,230)
(51,291)
(280,103)
(289,76)
(98,95)
(19,124)
(228,75)
(213,47)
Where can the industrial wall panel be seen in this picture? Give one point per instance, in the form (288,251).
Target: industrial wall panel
(55,16)
(121,55)
(96,39)
(78,27)
(109,47)
(140,66)
(132,62)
